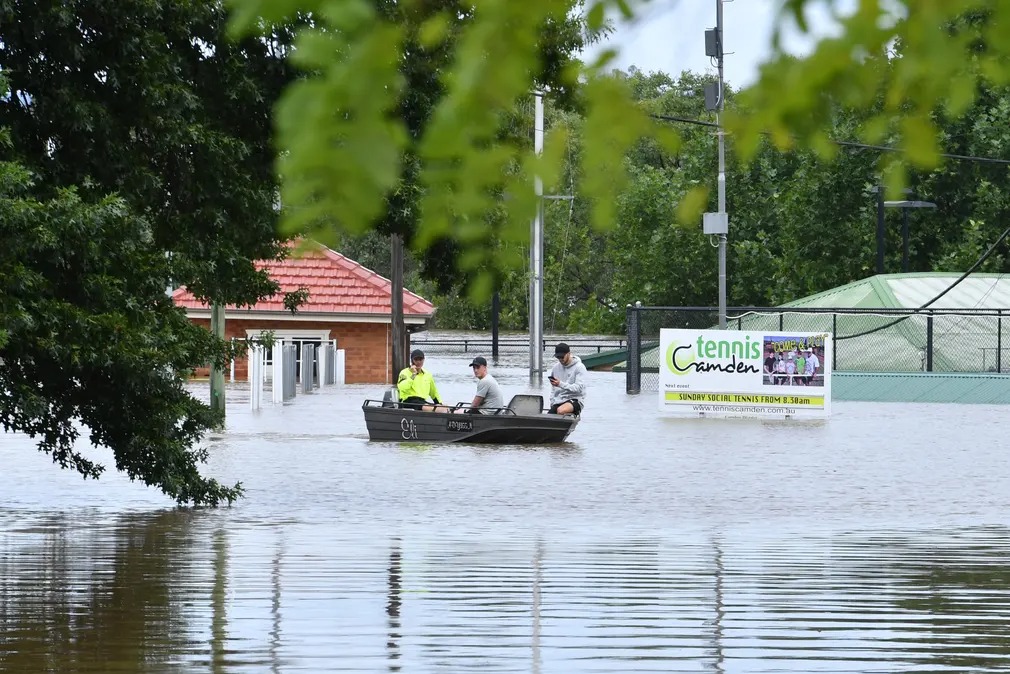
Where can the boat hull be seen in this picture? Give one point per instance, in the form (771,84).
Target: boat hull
(399,424)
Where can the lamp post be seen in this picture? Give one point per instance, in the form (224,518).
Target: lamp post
(537,253)
(717,223)
(904,205)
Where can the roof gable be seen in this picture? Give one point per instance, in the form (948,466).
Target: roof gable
(335,283)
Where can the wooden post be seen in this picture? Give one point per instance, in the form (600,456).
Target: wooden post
(398,329)
(217,395)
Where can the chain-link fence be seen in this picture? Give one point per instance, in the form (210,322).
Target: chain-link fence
(865,340)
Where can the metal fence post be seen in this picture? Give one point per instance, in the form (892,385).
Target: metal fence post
(929,342)
(633,371)
(308,367)
(782,318)
(999,340)
(834,342)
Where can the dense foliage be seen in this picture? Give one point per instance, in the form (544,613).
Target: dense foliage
(140,152)
(799,224)
(88,337)
(950,50)
(150,100)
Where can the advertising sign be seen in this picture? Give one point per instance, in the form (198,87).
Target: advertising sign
(745,373)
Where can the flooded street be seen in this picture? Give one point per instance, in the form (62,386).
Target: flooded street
(874,541)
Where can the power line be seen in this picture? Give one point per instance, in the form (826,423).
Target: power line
(971,270)
(848,143)
(947,155)
(685,120)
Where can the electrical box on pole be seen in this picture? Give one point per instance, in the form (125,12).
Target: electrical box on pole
(715,223)
(712,96)
(713,47)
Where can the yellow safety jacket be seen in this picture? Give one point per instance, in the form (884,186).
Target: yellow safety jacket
(421,385)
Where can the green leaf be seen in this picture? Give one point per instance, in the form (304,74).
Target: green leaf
(434,31)
(919,140)
(692,205)
(596,16)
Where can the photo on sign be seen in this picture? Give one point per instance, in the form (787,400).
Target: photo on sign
(793,361)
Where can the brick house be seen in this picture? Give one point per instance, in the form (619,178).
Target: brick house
(346,302)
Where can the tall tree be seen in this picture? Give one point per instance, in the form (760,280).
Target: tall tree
(949,49)
(395,150)
(88,337)
(150,101)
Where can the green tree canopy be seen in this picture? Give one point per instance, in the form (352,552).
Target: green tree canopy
(938,55)
(151,101)
(88,336)
(137,128)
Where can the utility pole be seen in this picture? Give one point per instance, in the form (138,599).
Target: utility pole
(537,252)
(537,255)
(217,394)
(398,330)
(715,100)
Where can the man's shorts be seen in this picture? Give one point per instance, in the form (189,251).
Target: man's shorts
(414,402)
(575,404)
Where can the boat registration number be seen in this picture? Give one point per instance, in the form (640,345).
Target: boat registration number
(460,425)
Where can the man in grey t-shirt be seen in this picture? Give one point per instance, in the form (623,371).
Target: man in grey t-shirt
(489,397)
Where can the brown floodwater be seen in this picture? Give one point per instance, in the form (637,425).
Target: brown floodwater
(875,541)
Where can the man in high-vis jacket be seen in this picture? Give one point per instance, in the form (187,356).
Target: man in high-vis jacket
(416,385)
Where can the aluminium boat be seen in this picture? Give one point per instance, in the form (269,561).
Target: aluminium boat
(523,421)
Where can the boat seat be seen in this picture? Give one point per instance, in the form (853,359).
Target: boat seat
(526,405)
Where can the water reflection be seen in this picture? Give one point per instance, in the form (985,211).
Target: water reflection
(862,543)
(393,607)
(175,591)
(83,595)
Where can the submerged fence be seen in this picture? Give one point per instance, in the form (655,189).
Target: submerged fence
(865,340)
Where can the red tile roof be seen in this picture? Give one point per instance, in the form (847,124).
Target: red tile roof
(336,285)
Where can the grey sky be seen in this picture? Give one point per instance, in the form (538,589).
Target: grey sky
(669,35)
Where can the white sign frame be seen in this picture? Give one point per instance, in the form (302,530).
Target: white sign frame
(725,373)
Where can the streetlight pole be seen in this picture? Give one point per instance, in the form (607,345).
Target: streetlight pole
(537,254)
(717,223)
(722,169)
(880,228)
(904,205)
(904,240)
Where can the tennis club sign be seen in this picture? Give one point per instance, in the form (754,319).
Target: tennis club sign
(745,373)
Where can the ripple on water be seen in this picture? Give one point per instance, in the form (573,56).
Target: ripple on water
(873,541)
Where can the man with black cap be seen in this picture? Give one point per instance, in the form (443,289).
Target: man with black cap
(489,398)
(416,385)
(568,382)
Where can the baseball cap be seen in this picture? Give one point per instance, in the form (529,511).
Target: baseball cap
(417,354)
(561,349)
(479,360)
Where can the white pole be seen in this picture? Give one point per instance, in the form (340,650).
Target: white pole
(254,379)
(722,168)
(537,254)
(259,376)
(322,363)
(277,381)
(232,366)
(260,364)
(338,370)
